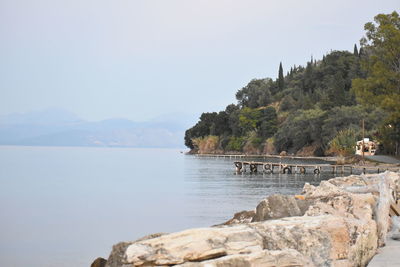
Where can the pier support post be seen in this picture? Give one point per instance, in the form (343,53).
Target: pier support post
(253,168)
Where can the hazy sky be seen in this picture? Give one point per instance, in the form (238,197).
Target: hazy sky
(142,59)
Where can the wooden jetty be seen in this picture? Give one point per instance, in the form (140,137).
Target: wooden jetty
(234,156)
(293,168)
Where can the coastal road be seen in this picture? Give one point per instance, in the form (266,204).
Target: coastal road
(384,159)
(388,256)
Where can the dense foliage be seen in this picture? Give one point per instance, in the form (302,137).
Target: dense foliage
(318,106)
(381,84)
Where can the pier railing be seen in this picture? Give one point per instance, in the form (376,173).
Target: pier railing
(234,156)
(289,168)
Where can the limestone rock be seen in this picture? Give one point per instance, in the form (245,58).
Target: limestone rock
(265,258)
(190,245)
(326,240)
(324,190)
(279,206)
(150,236)
(241,217)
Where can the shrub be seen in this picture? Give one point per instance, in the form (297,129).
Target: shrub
(343,143)
(235,144)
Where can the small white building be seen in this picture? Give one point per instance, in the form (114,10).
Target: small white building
(369,147)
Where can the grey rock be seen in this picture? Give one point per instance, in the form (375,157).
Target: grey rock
(245,216)
(279,206)
(99,262)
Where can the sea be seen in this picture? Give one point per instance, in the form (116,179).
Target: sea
(66,206)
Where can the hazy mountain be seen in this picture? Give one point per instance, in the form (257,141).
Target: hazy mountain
(51,116)
(56,127)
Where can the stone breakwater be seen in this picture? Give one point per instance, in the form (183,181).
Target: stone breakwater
(341,222)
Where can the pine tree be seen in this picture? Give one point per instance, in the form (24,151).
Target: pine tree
(355,50)
(280,78)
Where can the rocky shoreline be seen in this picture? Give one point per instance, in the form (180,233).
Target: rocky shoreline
(341,222)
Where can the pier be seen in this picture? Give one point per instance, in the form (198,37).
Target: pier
(235,156)
(294,168)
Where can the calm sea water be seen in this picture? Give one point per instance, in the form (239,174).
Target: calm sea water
(65,206)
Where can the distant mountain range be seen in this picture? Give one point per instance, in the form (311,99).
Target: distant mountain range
(57,127)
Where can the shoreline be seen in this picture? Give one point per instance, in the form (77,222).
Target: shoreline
(337,159)
(344,226)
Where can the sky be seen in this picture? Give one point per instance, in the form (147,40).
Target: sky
(144,59)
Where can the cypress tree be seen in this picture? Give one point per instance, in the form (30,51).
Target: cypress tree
(361,52)
(355,50)
(280,77)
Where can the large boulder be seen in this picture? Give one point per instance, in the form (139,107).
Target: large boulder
(190,245)
(326,240)
(280,206)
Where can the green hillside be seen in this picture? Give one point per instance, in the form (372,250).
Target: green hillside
(315,109)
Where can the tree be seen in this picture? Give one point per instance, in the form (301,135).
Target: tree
(287,103)
(308,79)
(255,94)
(204,127)
(300,129)
(381,87)
(249,119)
(355,50)
(269,122)
(337,90)
(281,82)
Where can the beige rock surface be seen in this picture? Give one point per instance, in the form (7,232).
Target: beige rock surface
(265,258)
(276,207)
(245,216)
(190,245)
(326,240)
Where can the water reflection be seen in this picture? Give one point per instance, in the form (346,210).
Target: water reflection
(214,191)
